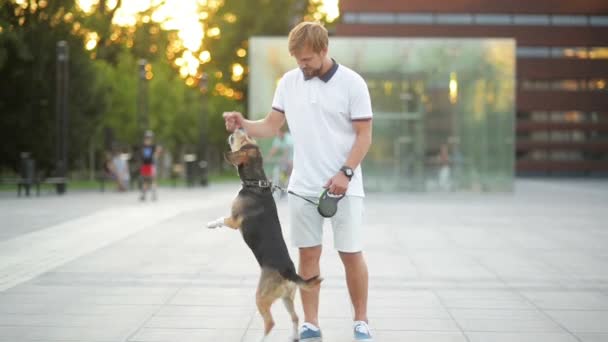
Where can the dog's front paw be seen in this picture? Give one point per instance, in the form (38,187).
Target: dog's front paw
(217,223)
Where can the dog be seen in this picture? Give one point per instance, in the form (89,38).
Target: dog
(254,212)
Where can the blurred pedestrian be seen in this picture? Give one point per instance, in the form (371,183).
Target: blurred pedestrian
(149,156)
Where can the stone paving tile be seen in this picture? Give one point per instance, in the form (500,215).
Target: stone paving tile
(568,300)
(186,335)
(504,320)
(582,321)
(519,337)
(345,335)
(590,337)
(483,299)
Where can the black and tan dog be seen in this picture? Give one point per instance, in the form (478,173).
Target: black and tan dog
(254,212)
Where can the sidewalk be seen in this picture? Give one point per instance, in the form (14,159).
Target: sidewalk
(529,266)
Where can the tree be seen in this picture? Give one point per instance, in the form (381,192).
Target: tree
(29,34)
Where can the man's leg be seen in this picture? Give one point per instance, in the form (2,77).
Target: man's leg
(348,240)
(307,235)
(309,267)
(153,185)
(357,282)
(144,188)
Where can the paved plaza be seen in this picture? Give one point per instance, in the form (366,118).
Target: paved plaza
(528,266)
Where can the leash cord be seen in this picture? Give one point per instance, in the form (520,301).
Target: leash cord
(275,187)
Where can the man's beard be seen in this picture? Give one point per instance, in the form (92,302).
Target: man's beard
(310,73)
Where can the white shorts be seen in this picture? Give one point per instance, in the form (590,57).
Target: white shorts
(307,224)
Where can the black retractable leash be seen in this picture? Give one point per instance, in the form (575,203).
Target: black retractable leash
(327,205)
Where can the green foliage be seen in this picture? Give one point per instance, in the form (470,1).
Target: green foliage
(104,82)
(27,88)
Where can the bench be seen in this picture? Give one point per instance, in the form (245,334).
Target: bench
(26,185)
(59,182)
(22,183)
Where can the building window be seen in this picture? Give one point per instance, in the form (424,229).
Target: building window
(529,19)
(533,52)
(406,18)
(569,116)
(598,52)
(598,84)
(539,116)
(569,85)
(535,85)
(538,155)
(566,155)
(599,20)
(539,136)
(492,19)
(350,18)
(377,18)
(569,20)
(454,19)
(474,19)
(594,52)
(570,52)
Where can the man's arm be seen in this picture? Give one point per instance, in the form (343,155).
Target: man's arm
(338,184)
(363,140)
(264,128)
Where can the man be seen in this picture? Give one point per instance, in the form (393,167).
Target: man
(149,155)
(328,109)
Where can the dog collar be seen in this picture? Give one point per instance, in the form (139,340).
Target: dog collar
(257,183)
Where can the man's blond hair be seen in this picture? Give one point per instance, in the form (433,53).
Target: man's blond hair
(308,34)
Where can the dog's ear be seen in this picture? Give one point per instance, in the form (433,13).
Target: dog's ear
(236,158)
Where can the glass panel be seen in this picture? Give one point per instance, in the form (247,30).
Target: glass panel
(443,108)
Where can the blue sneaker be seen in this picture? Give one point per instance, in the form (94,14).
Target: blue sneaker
(310,333)
(362,332)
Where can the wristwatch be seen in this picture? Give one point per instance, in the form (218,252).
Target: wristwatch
(347,171)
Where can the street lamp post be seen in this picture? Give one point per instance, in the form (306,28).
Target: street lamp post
(62,113)
(142,98)
(203,162)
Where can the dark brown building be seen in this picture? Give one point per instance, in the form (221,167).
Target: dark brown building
(562,67)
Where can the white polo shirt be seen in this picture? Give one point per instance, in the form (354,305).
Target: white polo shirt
(320,112)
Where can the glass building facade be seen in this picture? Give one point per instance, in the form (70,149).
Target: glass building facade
(444,109)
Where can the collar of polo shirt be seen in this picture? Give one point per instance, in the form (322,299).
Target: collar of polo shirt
(328,75)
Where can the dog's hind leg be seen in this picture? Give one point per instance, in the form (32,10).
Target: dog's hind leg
(264,303)
(269,290)
(288,299)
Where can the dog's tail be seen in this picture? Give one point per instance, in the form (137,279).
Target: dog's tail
(305,284)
